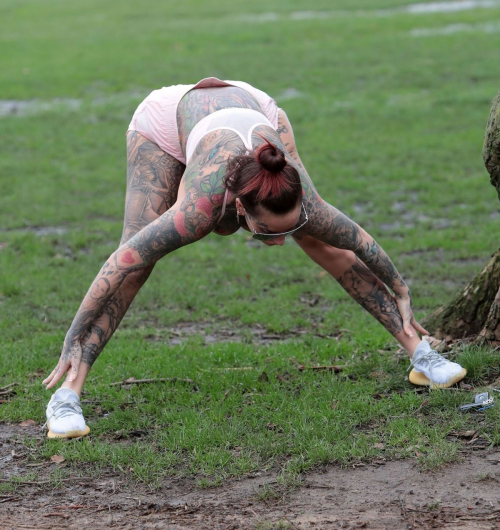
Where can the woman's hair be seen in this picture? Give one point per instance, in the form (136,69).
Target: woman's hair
(264,177)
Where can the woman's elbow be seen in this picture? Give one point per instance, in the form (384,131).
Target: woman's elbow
(127,259)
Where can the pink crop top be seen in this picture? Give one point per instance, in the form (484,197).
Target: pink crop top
(156,116)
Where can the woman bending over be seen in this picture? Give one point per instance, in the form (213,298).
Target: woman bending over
(214,157)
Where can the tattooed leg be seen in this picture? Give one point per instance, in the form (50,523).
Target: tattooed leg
(362,285)
(153,179)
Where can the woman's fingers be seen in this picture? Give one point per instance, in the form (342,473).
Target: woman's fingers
(73,372)
(60,370)
(69,359)
(419,328)
(407,327)
(74,360)
(48,379)
(406,315)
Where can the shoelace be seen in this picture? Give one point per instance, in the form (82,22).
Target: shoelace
(64,412)
(434,360)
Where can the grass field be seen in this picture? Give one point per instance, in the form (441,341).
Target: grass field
(389,106)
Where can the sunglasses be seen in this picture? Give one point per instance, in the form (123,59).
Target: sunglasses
(268,237)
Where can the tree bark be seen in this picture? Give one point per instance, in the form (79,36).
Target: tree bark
(491,147)
(491,330)
(475,312)
(466,315)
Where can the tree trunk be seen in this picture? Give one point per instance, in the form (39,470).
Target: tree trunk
(475,312)
(466,315)
(491,147)
(491,330)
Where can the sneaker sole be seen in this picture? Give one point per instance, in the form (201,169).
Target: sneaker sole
(69,434)
(418,378)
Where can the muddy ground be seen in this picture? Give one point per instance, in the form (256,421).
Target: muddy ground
(381,494)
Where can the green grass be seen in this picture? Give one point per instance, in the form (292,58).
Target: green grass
(390,127)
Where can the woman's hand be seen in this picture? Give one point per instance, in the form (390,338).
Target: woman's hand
(405,310)
(71,357)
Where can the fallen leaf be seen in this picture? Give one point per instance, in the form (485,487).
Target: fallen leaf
(378,446)
(473,439)
(466,434)
(417,454)
(27,423)
(57,459)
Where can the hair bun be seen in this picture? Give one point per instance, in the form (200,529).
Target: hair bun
(271,157)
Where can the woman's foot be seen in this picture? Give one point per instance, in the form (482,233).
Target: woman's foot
(64,415)
(432,369)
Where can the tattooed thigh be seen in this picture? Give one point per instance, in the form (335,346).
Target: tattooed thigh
(153,178)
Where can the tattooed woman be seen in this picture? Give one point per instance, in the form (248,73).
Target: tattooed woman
(214,157)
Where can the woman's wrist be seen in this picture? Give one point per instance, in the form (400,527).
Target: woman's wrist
(401,290)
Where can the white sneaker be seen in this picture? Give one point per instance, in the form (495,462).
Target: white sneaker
(432,369)
(65,415)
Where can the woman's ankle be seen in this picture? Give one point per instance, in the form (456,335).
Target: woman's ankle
(409,343)
(72,386)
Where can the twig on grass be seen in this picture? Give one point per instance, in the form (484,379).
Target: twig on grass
(335,368)
(10,499)
(229,369)
(301,366)
(7,386)
(226,394)
(424,402)
(155,380)
(233,368)
(319,486)
(44,481)
(55,514)
(74,507)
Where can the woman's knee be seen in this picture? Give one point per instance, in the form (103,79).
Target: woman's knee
(137,277)
(153,178)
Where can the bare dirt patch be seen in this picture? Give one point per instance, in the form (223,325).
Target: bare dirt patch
(257,333)
(378,495)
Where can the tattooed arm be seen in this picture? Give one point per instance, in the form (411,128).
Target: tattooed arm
(192,217)
(329,225)
(174,229)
